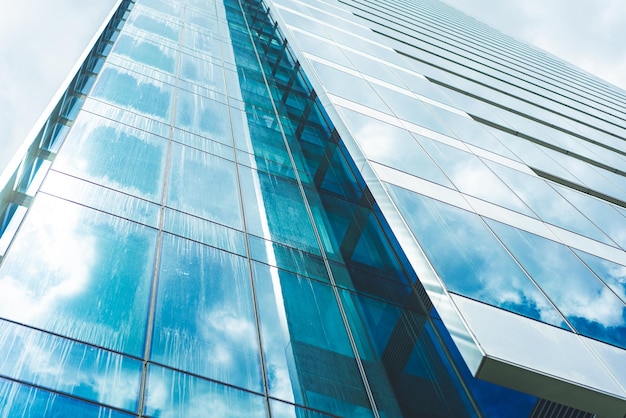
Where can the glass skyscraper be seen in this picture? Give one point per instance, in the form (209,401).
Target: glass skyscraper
(316,208)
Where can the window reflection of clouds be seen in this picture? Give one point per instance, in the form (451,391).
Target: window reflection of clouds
(214,335)
(115,156)
(613,274)
(592,308)
(173,394)
(82,286)
(469,259)
(70,367)
(547,203)
(471,176)
(392,146)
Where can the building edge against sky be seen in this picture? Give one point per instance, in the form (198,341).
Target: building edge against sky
(498,177)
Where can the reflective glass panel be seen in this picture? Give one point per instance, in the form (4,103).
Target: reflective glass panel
(174,394)
(67,366)
(204,185)
(469,259)
(590,306)
(114,155)
(308,355)
(215,334)
(91,280)
(22,401)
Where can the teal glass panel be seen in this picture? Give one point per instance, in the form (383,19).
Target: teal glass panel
(276,210)
(469,259)
(287,258)
(202,42)
(172,9)
(205,186)
(286,410)
(215,334)
(66,366)
(22,401)
(399,352)
(146,52)
(203,116)
(590,306)
(178,395)
(203,144)
(612,274)
(92,278)
(308,356)
(115,156)
(135,92)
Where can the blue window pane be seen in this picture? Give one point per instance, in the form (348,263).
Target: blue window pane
(205,186)
(178,395)
(134,92)
(66,366)
(206,232)
(91,281)
(393,146)
(141,50)
(205,72)
(308,355)
(203,116)
(21,401)
(202,42)
(469,259)
(286,410)
(590,306)
(215,334)
(101,198)
(115,156)
(547,203)
(156,25)
(269,201)
(400,351)
(612,274)
(471,176)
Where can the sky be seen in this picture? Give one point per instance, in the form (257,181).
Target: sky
(40,41)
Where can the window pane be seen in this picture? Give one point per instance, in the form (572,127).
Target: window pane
(63,365)
(91,280)
(175,394)
(215,334)
(307,352)
(21,401)
(204,185)
(469,259)
(115,156)
(590,306)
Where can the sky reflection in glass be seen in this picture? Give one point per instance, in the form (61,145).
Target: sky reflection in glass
(590,306)
(215,334)
(469,259)
(92,278)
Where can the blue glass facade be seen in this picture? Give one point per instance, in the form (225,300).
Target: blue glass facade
(245,208)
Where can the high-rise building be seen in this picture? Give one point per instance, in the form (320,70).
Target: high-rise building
(310,208)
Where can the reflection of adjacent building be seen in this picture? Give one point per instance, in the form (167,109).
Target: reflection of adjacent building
(249,208)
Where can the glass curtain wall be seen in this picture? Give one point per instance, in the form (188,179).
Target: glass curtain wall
(202,245)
